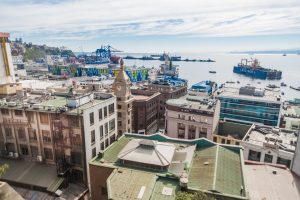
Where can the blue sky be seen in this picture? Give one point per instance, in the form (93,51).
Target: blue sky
(156,25)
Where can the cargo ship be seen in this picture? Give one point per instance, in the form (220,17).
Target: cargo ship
(253,69)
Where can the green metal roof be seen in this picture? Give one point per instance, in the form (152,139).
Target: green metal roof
(162,183)
(216,169)
(130,184)
(57,102)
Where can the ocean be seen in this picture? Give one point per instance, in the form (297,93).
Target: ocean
(198,71)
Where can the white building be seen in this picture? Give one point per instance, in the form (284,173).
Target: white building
(191,117)
(270,145)
(296,161)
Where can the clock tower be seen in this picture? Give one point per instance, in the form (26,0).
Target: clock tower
(121,88)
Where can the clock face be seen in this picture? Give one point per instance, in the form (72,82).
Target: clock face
(119,88)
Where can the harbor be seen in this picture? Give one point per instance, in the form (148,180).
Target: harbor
(223,67)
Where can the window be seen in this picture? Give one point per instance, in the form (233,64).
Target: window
(102,146)
(119,99)
(30,117)
(268,158)
(119,123)
(228,142)
(254,155)
(215,139)
(94,152)
(18,112)
(283,161)
(44,118)
(34,151)
(93,137)
(91,118)
(24,150)
(48,153)
(111,109)
(119,106)
(100,114)
(106,129)
(46,136)
(112,125)
(4,111)
(105,112)
(21,133)
(10,147)
(237,143)
(192,132)
(8,132)
(119,114)
(101,132)
(223,141)
(181,130)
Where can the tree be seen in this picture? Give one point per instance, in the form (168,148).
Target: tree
(3,169)
(193,196)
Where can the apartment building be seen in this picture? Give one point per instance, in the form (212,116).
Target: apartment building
(66,130)
(192,117)
(170,88)
(145,118)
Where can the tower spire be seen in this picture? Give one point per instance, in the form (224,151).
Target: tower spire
(121,64)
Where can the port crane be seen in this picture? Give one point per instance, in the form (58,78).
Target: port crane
(105,52)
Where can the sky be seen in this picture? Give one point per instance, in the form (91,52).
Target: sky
(156,25)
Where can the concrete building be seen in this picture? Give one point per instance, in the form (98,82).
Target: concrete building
(290,118)
(8,84)
(250,105)
(192,117)
(145,111)
(65,129)
(204,88)
(270,182)
(121,87)
(296,159)
(270,145)
(230,133)
(156,167)
(170,88)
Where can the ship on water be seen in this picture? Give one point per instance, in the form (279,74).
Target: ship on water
(253,69)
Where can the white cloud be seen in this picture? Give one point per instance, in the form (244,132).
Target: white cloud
(88,19)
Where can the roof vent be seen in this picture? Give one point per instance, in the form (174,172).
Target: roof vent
(147,143)
(206,163)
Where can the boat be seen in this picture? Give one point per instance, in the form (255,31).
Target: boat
(272,86)
(284,54)
(230,82)
(295,88)
(129,58)
(295,101)
(238,82)
(212,72)
(283,84)
(252,68)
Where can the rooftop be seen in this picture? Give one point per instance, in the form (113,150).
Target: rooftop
(266,136)
(31,174)
(170,81)
(208,166)
(270,95)
(267,185)
(194,103)
(54,103)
